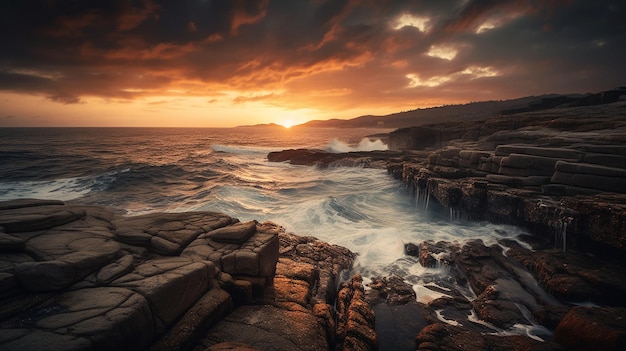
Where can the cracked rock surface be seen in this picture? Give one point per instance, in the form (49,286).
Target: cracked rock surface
(83,278)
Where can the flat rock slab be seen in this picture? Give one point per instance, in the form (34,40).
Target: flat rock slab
(28,219)
(170,285)
(87,319)
(269,328)
(255,257)
(168,233)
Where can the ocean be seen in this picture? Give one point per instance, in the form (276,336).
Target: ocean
(143,170)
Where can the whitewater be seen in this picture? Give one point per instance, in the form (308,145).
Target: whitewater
(144,170)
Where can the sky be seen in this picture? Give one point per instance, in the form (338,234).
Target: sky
(218,63)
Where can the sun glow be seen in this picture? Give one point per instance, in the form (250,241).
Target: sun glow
(286,123)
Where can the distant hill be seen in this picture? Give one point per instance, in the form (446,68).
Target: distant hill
(469,111)
(267,125)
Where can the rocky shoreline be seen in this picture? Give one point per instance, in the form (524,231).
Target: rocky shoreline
(561,175)
(85,278)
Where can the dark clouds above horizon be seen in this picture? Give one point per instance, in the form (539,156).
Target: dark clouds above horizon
(311,53)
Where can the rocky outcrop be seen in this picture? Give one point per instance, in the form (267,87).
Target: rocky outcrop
(83,278)
(324,159)
(557,173)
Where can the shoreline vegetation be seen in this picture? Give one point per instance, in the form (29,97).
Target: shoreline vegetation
(82,277)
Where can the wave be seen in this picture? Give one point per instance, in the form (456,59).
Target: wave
(240,150)
(337,146)
(63,189)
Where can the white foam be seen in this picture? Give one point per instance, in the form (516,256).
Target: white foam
(365,144)
(238,149)
(443,319)
(64,189)
(426,295)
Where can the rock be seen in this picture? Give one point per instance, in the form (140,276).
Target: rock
(234,234)
(397,326)
(206,312)
(292,290)
(435,254)
(593,328)
(355,317)
(170,285)
(169,233)
(328,259)
(298,270)
(231,346)
(95,280)
(27,203)
(98,318)
(10,243)
(545,152)
(28,219)
(590,176)
(115,269)
(390,290)
(257,326)
(46,276)
(447,337)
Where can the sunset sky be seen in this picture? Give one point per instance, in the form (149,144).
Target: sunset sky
(207,63)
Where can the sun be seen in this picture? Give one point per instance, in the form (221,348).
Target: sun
(286,123)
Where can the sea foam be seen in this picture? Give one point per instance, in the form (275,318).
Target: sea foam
(337,146)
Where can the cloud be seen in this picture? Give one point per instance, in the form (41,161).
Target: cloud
(370,53)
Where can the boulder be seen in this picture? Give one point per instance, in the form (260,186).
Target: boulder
(442,337)
(170,285)
(206,312)
(593,328)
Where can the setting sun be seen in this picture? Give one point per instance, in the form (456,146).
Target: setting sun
(286,123)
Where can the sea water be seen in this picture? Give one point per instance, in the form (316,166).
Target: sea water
(143,170)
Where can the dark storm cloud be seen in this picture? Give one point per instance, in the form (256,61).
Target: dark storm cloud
(125,49)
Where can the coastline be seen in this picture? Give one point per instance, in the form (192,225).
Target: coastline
(84,277)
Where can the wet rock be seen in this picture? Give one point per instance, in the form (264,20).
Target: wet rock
(355,317)
(390,290)
(573,277)
(411,249)
(324,159)
(231,346)
(311,256)
(590,176)
(433,254)
(397,326)
(593,328)
(447,337)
